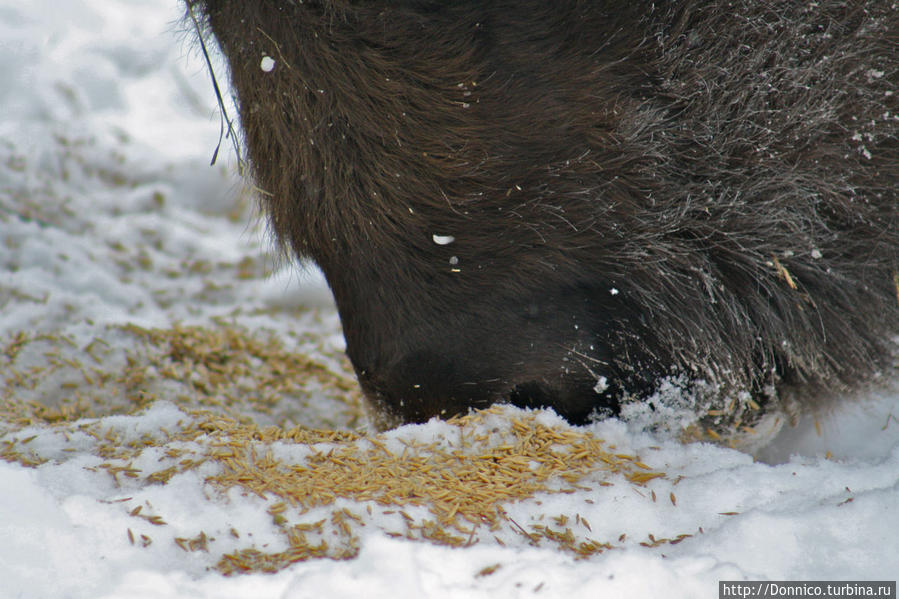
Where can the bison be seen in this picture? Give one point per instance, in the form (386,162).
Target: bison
(566,203)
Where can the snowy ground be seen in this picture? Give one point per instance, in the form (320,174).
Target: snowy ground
(149,340)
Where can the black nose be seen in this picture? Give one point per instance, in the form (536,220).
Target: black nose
(427,383)
(562,349)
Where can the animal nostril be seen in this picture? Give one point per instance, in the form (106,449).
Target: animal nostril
(566,399)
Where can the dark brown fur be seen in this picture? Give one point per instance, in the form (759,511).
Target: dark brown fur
(637,190)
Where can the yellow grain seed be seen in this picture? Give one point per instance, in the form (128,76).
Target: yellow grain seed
(277,508)
(783,273)
(643,477)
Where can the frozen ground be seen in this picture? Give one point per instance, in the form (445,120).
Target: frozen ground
(149,338)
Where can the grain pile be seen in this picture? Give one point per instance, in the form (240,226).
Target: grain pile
(459,486)
(320,486)
(50,378)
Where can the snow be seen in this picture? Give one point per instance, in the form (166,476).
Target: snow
(137,286)
(443,239)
